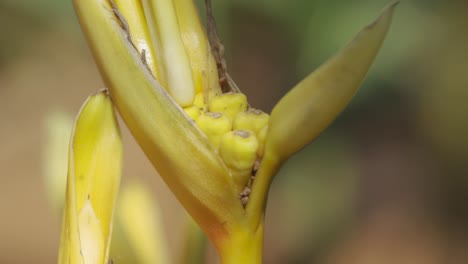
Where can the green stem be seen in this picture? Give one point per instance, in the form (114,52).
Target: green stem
(243,246)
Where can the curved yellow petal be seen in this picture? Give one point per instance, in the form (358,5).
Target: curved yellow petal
(95,163)
(178,150)
(313,104)
(134,15)
(204,69)
(176,61)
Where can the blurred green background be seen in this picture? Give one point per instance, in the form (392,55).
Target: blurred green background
(386,183)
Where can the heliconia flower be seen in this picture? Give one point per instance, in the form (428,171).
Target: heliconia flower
(216,153)
(94,169)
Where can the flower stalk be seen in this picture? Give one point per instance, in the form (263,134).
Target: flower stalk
(243,246)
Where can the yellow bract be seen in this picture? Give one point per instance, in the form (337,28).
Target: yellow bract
(135,19)
(183,156)
(174,56)
(92,240)
(204,69)
(95,163)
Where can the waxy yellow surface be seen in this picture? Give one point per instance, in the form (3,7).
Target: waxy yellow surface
(135,19)
(95,164)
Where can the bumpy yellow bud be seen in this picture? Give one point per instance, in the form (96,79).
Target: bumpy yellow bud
(193,112)
(256,121)
(214,125)
(238,150)
(229,104)
(261,136)
(199,102)
(252,119)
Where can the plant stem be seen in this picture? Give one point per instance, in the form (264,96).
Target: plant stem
(243,246)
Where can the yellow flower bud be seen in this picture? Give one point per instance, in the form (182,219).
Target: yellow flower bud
(229,104)
(214,125)
(238,149)
(252,119)
(256,121)
(200,102)
(193,112)
(261,136)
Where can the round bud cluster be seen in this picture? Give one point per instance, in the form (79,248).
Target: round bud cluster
(235,130)
(214,125)
(238,149)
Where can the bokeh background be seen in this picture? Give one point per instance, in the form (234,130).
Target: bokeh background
(386,183)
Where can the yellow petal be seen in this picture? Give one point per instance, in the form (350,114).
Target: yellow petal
(204,69)
(317,100)
(95,163)
(177,148)
(134,15)
(92,241)
(176,61)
